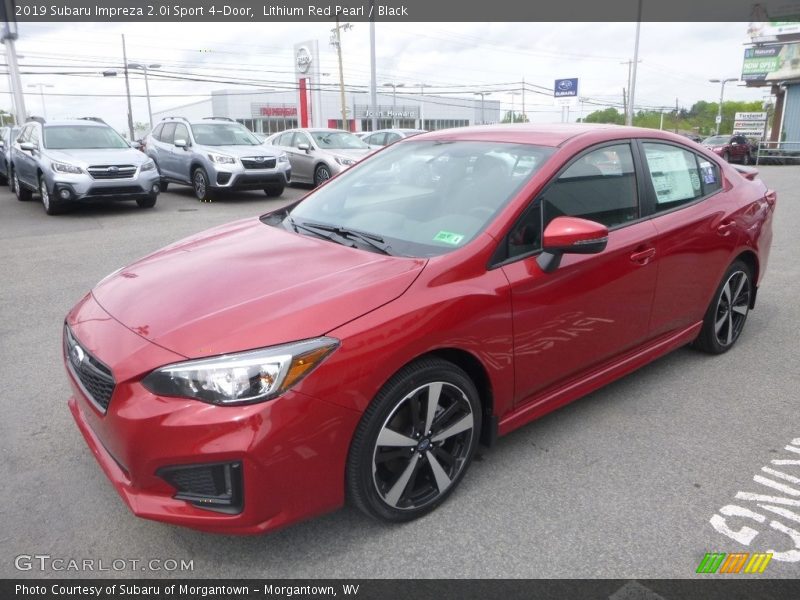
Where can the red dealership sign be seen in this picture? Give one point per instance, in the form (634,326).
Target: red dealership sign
(278,111)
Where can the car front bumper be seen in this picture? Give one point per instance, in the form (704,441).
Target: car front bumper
(236,177)
(291,451)
(83,188)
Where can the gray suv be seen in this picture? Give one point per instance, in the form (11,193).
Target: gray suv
(80,160)
(7,136)
(214,154)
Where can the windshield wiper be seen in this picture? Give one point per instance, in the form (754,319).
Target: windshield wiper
(370,239)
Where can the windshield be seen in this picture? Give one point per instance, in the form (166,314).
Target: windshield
(82,137)
(337,140)
(223,134)
(716,140)
(423,198)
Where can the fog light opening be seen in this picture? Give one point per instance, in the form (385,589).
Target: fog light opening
(64,194)
(155,189)
(216,486)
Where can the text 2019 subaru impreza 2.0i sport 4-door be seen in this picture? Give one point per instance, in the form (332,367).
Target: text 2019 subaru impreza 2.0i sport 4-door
(357,345)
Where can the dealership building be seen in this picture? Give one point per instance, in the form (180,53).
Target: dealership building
(309,102)
(774,61)
(270,111)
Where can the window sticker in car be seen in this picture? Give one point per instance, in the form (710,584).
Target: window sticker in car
(670,176)
(709,176)
(447,237)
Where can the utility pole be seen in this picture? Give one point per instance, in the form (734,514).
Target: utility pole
(373,83)
(8,36)
(127,88)
(482,95)
(336,40)
(41,87)
(676,115)
(524,116)
(625,104)
(632,90)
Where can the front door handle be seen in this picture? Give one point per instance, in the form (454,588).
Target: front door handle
(643,256)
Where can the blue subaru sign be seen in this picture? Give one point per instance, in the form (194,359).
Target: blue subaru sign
(565,88)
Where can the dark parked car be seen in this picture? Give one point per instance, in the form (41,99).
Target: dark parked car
(358,344)
(732,148)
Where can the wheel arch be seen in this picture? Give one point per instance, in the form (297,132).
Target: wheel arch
(750,258)
(477,372)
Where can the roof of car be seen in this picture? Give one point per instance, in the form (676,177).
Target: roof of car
(539,134)
(83,122)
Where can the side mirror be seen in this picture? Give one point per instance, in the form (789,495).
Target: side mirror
(304,147)
(181,143)
(570,235)
(27,147)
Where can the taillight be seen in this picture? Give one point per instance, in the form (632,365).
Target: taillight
(771,197)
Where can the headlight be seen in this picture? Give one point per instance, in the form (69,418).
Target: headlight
(345,161)
(283,158)
(242,378)
(65,168)
(148,166)
(222,159)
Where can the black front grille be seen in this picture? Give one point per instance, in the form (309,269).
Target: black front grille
(253,162)
(212,486)
(94,376)
(112,171)
(115,190)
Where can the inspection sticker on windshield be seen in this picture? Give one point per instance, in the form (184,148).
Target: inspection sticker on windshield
(446,237)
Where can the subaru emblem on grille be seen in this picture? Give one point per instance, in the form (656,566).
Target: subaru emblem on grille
(112,169)
(77,355)
(260,159)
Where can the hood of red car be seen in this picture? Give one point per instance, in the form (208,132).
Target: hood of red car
(248,285)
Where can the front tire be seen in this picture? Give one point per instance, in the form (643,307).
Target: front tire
(148,202)
(200,184)
(273,191)
(414,442)
(321,174)
(726,316)
(51,206)
(746,160)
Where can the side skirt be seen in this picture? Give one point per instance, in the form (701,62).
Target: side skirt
(557,397)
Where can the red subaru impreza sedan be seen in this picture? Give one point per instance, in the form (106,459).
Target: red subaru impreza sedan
(357,345)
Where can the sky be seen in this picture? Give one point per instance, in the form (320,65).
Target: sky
(677,60)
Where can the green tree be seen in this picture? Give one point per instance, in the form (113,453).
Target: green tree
(515,117)
(608,115)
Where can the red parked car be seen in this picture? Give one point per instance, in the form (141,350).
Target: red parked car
(731,148)
(357,345)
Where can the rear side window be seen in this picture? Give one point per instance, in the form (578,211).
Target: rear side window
(676,176)
(391,138)
(157,131)
(599,186)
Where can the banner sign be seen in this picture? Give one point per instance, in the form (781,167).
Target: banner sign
(771,63)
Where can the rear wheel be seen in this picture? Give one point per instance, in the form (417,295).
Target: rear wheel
(200,183)
(23,194)
(746,160)
(726,316)
(148,202)
(726,157)
(415,441)
(273,191)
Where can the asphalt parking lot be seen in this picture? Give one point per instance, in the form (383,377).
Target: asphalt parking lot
(621,484)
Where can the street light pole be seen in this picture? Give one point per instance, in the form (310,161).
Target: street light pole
(41,87)
(483,95)
(336,40)
(513,114)
(146,68)
(422,87)
(394,87)
(722,83)
(127,88)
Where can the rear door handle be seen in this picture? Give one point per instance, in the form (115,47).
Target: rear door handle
(643,256)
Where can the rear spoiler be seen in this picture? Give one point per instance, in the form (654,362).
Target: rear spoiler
(746,172)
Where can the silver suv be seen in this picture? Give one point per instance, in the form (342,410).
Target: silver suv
(214,154)
(80,160)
